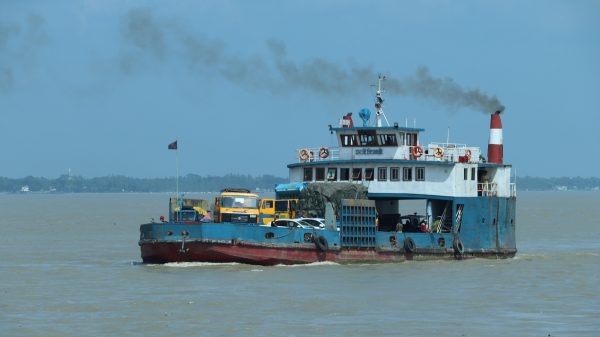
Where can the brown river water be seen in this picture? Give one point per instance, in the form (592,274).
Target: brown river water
(70,266)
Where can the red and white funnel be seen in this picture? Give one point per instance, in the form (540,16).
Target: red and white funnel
(495,146)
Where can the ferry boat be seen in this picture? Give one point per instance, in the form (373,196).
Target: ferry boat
(418,202)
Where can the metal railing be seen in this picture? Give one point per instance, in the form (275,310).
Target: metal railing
(314,154)
(513,189)
(451,153)
(487,189)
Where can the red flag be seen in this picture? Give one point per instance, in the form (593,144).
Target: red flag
(173,146)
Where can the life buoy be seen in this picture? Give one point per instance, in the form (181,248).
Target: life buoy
(417,151)
(323,152)
(409,245)
(303,154)
(468,155)
(321,243)
(458,246)
(438,152)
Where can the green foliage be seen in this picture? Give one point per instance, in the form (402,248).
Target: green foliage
(117,183)
(562,183)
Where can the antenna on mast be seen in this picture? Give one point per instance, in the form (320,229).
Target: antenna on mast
(379,103)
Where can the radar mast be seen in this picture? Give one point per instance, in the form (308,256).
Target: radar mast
(379,103)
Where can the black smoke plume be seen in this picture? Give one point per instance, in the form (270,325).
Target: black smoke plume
(280,73)
(18,47)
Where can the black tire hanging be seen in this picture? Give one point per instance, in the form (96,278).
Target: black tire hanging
(458,246)
(321,243)
(409,245)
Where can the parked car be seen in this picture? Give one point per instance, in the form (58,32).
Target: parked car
(299,223)
(317,222)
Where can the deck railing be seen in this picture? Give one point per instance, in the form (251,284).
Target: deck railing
(451,153)
(513,190)
(315,155)
(487,189)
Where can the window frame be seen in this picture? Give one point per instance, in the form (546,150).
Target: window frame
(407,173)
(372,175)
(319,170)
(396,170)
(305,175)
(379,175)
(335,174)
(420,173)
(345,170)
(360,174)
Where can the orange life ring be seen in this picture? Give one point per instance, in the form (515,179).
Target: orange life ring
(303,154)
(417,151)
(323,152)
(468,154)
(438,152)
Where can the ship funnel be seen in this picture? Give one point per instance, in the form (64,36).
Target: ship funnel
(495,146)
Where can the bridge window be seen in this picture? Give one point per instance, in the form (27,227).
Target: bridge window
(369,174)
(411,139)
(382,174)
(345,174)
(349,140)
(332,174)
(466,174)
(388,140)
(394,173)
(356,174)
(320,174)
(420,174)
(407,173)
(472,173)
(367,138)
(308,174)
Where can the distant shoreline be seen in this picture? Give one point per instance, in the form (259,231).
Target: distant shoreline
(193,183)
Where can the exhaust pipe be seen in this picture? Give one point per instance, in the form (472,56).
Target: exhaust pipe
(495,145)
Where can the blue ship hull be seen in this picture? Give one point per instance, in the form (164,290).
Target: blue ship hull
(487,229)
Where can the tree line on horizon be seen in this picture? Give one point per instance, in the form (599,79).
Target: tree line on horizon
(119,183)
(197,183)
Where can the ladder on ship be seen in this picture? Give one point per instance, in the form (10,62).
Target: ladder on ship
(444,227)
(459,213)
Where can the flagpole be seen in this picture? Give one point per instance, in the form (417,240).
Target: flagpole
(177,168)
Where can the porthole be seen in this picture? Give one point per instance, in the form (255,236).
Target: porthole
(269,235)
(441,242)
(482,220)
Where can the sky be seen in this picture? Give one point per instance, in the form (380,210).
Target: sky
(102,87)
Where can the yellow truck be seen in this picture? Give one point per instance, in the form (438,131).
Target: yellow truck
(236,205)
(273,209)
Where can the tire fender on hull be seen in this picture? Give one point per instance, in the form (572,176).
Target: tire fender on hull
(321,243)
(409,245)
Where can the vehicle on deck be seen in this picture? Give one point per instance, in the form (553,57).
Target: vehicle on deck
(271,209)
(236,205)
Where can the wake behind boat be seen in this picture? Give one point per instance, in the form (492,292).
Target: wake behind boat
(379,196)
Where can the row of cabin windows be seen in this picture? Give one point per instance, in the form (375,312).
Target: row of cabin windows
(371,138)
(466,176)
(368,174)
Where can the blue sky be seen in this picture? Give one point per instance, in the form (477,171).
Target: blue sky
(101,87)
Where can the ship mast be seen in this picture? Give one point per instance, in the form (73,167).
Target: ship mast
(379,103)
